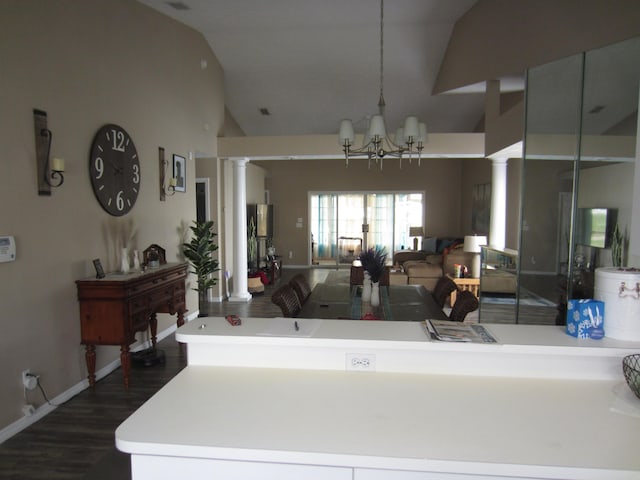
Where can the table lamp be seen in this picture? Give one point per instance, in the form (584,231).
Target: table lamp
(472,244)
(416,232)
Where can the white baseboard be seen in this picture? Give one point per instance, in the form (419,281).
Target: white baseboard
(22,423)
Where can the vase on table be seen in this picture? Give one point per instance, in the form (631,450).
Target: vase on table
(136,260)
(366,288)
(375,294)
(124,261)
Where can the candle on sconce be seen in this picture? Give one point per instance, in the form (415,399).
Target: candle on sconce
(173,182)
(57,165)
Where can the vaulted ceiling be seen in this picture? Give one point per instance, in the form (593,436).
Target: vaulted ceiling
(310,63)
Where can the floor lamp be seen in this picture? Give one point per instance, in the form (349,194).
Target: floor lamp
(472,244)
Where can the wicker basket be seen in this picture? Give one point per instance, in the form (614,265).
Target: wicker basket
(631,369)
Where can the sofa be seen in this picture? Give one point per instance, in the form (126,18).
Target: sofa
(425,267)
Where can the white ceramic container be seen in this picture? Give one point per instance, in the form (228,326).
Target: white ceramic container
(619,289)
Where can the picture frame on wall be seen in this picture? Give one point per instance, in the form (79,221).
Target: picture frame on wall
(180,173)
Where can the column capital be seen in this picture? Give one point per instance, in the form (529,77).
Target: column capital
(498,160)
(240,161)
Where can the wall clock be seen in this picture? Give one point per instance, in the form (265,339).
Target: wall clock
(114,168)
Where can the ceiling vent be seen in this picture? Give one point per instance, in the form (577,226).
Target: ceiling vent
(179,5)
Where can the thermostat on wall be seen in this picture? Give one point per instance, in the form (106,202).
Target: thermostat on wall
(7,248)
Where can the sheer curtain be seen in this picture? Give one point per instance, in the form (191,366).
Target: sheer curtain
(380,217)
(336,221)
(324,214)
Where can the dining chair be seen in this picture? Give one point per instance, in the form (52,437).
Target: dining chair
(443,290)
(301,287)
(466,302)
(287,299)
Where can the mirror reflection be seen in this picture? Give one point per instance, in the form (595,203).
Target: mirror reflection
(577,181)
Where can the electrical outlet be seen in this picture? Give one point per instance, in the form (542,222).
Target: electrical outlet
(361,362)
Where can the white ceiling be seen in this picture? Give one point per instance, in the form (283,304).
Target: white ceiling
(312,63)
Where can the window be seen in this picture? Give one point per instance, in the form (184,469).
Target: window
(338,219)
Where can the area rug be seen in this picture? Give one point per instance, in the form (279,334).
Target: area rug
(338,276)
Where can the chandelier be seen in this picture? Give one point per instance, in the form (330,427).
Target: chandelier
(377,144)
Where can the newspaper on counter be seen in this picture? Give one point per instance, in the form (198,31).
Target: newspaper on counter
(449,331)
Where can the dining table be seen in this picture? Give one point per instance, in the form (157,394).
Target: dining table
(397,303)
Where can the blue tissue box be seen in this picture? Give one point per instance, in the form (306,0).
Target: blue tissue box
(585,319)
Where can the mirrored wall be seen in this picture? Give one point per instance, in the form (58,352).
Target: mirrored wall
(577,183)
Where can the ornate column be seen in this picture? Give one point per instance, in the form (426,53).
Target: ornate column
(497,232)
(239,291)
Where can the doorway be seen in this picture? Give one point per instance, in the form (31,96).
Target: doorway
(202,200)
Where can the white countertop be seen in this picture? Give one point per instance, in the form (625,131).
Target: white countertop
(500,424)
(481,425)
(523,350)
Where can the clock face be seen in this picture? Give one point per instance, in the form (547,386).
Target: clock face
(114,168)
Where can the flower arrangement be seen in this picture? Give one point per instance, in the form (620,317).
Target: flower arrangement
(373,261)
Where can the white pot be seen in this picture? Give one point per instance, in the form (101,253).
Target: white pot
(366,288)
(619,289)
(375,294)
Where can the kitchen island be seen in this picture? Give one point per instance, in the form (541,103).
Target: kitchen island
(340,399)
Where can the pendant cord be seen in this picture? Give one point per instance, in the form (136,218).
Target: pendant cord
(381,103)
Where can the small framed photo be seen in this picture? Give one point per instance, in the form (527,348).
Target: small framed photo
(99,270)
(180,173)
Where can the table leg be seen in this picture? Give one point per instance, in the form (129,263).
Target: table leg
(90,358)
(153,323)
(125,360)
(180,321)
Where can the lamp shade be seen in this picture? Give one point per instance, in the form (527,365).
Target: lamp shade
(411,129)
(423,133)
(472,243)
(399,138)
(416,232)
(376,127)
(347,136)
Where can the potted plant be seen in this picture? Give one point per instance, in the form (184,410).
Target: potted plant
(199,251)
(373,262)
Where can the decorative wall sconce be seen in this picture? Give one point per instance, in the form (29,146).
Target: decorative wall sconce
(50,174)
(163,164)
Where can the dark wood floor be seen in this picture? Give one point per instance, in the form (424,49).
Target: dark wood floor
(76,440)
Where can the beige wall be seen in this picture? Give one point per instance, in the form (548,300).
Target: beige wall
(290,182)
(87,64)
(503,37)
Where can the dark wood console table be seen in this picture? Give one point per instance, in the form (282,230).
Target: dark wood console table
(114,308)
